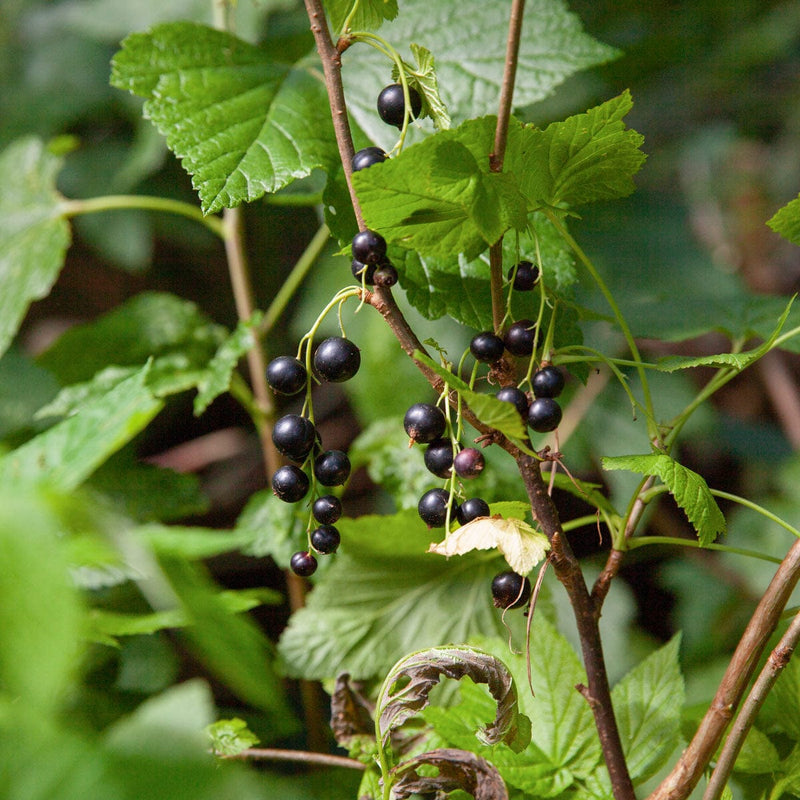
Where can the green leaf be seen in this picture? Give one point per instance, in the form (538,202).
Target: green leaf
(360,15)
(242,124)
(648,703)
(33,235)
(781,711)
(229,737)
(585,158)
(758,755)
(439,197)
(220,370)
(423,78)
(786,221)
(383,596)
(69,452)
(689,489)
(270,527)
(190,542)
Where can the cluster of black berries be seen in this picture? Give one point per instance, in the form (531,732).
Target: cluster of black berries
(336,359)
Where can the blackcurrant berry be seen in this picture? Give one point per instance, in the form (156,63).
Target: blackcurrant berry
(472,509)
(544,414)
(286,375)
(510,394)
(294,436)
(519,337)
(510,590)
(469,463)
(385,275)
(486,347)
(367,271)
(548,382)
(327,509)
(332,468)
(303,564)
(337,359)
(432,508)
(290,484)
(424,423)
(368,247)
(527,276)
(392,104)
(367,157)
(325,539)
(439,457)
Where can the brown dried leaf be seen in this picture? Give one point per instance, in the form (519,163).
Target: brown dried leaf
(351,718)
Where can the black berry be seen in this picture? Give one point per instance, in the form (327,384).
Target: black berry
(368,247)
(424,422)
(510,590)
(367,271)
(519,337)
(367,157)
(325,539)
(337,359)
(432,508)
(510,394)
(469,463)
(303,564)
(294,436)
(548,382)
(527,276)
(385,275)
(327,509)
(392,104)
(332,468)
(286,375)
(544,414)
(290,484)
(486,347)
(439,457)
(472,509)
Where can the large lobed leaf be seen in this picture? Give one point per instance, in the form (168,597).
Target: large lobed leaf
(242,123)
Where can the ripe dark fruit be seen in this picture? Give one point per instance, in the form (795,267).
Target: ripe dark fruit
(325,539)
(510,590)
(286,375)
(392,104)
(294,436)
(439,457)
(290,484)
(544,414)
(424,423)
(510,394)
(548,382)
(469,463)
(386,275)
(367,271)
(526,278)
(327,509)
(367,157)
(486,347)
(472,509)
(303,564)
(519,337)
(369,247)
(337,359)
(332,468)
(432,508)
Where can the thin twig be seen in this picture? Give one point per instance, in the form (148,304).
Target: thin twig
(695,758)
(777,661)
(303,756)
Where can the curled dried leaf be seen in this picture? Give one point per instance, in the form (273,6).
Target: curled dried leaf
(351,720)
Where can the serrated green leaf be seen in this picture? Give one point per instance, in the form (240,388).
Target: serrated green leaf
(271,527)
(786,221)
(33,235)
(781,710)
(758,755)
(383,596)
(360,15)
(65,455)
(242,124)
(689,489)
(439,198)
(648,703)
(221,367)
(585,158)
(423,78)
(229,737)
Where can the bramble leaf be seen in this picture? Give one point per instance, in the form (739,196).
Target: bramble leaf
(423,78)
(229,737)
(33,235)
(241,123)
(689,489)
(360,14)
(786,221)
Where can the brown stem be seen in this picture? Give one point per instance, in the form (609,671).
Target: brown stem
(568,571)
(777,661)
(325,759)
(695,758)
